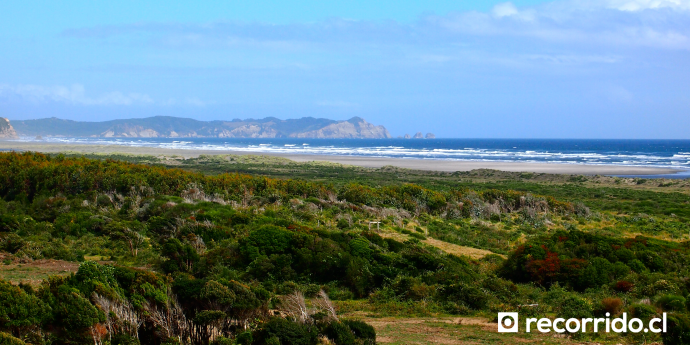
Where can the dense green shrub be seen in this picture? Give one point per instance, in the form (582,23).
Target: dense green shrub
(362,331)
(678,331)
(7,339)
(124,339)
(642,311)
(583,260)
(288,333)
(244,338)
(339,333)
(20,311)
(671,303)
(468,295)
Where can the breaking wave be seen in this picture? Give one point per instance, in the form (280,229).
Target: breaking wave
(655,153)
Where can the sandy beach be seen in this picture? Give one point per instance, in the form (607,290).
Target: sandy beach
(369,162)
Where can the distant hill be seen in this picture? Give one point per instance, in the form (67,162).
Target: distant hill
(175,127)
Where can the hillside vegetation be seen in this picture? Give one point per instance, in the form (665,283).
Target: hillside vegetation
(172,256)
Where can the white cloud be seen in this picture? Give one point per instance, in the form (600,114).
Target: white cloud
(587,23)
(640,5)
(572,59)
(566,27)
(76,94)
(506,9)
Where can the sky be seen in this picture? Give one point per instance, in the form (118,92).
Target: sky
(459,69)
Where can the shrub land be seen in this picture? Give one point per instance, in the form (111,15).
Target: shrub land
(198,256)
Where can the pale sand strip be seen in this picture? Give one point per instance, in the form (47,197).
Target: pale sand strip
(369,162)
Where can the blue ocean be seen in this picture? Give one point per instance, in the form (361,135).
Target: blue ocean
(651,153)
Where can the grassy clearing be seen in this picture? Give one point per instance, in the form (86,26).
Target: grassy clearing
(458,330)
(455,249)
(34,272)
(449,248)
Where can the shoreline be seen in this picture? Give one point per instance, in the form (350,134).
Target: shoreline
(367,162)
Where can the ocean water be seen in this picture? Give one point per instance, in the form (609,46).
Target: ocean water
(651,153)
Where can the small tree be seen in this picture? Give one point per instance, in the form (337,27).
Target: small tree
(74,312)
(20,312)
(181,257)
(131,232)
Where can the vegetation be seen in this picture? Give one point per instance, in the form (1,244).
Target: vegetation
(166,125)
(199,256)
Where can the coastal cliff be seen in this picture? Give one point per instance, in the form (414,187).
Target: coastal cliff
(354,128)
(174,127)
(6,129)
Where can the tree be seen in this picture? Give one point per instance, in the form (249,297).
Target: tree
(6,339)
(218,296)
(19,311)
(181,257)
(131,232)
(74,312)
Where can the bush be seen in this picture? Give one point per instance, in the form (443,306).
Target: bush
(244,338)
(612,305)
(103,201)
(575,307)
(224,341)
(671,303)
(6,339)
(637,266)
(75,312)
(343,224)
(471,296)
(8,223)
(339,333)
(418,236)
(678,332)
(19,310)
(286,332)
(273,341)
(11,243)
(624,286)
(642,311)
(124,339)
(362,331)
(337,293)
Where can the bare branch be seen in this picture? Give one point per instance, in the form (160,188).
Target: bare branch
(324,303)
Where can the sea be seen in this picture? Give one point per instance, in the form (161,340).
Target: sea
(643,153)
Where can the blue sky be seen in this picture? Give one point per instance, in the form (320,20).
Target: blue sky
(521,69)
